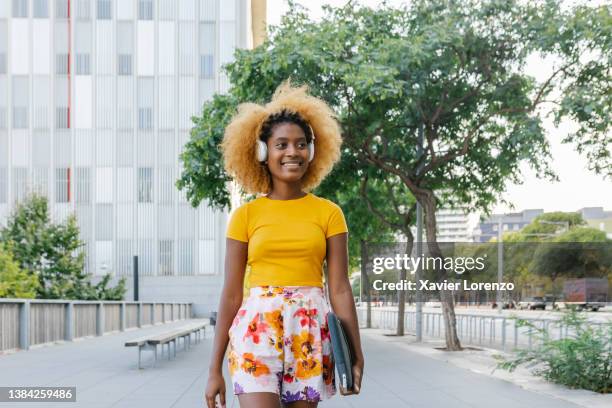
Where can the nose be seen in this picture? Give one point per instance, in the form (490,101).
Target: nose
(292,150)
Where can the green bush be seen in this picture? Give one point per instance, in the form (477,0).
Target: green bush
(15,282)
(581,360)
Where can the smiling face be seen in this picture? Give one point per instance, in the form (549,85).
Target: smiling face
(287,152)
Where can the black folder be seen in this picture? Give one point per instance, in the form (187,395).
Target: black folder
(342,354)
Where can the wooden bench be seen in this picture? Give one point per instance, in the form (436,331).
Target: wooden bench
(168,338)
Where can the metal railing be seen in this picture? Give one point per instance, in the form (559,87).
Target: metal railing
(500,332)
(28,322)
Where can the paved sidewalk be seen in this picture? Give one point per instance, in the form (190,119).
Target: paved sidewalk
(105,374)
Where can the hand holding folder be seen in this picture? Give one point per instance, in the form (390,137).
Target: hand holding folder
(343,355)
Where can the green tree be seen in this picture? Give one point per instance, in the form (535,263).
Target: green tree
(581,252)
(14,282)
(52,252)
(375,208)
(451,71)
(556,245)
(547,224)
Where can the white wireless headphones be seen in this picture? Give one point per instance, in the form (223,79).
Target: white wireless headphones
(261,150)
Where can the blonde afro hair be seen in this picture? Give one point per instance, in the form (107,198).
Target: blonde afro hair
(239,141)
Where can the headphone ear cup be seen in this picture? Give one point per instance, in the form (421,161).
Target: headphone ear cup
(311,151)
(262,151)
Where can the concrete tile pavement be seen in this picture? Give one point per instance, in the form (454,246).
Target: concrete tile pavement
(106,375)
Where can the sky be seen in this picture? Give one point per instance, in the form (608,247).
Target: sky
(577,186)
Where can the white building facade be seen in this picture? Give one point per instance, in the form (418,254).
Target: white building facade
(96,99)
(455,225)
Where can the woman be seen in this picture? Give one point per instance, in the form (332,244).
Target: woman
(279,346)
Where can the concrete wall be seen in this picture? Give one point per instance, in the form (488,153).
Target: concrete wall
(203,291)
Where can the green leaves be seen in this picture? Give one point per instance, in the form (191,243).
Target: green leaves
(203,176)
(582,360)
(49,257)
(14,282)
(455,68)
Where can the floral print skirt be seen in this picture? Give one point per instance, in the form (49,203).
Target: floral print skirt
(279,342)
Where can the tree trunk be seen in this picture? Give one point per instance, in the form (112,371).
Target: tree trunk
(401,296)
(365,283)
(446,297)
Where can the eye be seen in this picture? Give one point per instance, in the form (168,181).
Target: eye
(280,145)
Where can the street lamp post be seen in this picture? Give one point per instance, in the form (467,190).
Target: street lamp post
(500,261)
(419,250)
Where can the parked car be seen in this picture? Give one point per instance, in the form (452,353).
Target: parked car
(533,303)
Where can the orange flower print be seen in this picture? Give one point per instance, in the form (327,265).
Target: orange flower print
(328,369)
(271,291)
(275,320)
(255,329)
(253,366)
(307,316)
(308,368)
(302,345)
(232,361)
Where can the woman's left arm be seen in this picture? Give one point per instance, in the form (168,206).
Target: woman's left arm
(341,298)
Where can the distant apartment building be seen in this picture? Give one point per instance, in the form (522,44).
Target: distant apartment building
(598,218)
(96,99)
(489,228)
(455,225)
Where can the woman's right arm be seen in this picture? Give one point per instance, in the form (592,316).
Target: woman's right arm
(231,299)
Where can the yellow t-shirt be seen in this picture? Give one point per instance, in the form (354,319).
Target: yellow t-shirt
(287,238)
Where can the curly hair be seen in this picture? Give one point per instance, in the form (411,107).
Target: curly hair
(252,121)
(284,116)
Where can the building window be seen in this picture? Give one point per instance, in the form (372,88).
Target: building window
(21,90)
(2,62)
(82,189)
(145,185)
(3,117)
(185,257)
(20,8)
(124,64)
(125,255)
(82,64)
(20,183)
(166,257)
(84,9)
(62,115)
(145,118)
(146,97)
(104,10)
(61,64)
(20,117)
(145,9)
(207,49)
(61,8)
(166,185)
(104,222)
(206,66)
(62,185)
(41,8)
